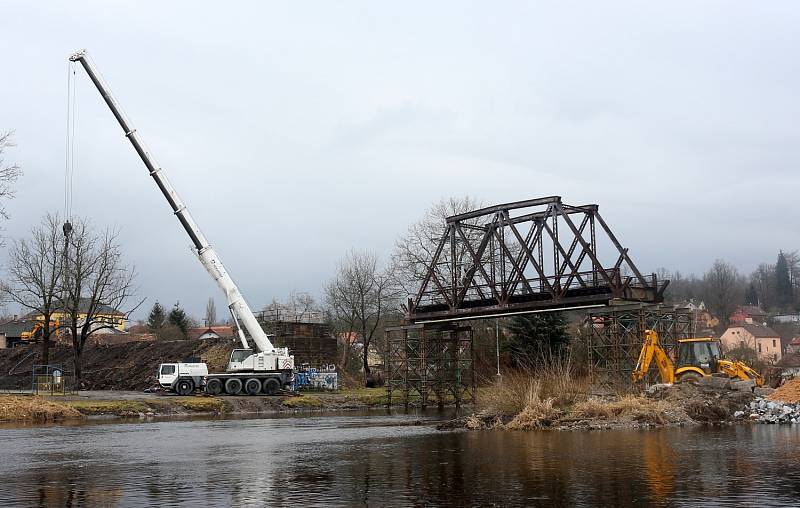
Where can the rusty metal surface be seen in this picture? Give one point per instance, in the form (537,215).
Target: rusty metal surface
(527,256)
(430,365)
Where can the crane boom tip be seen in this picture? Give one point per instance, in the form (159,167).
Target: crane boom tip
(77,55)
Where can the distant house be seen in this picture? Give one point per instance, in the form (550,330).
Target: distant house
(762,339)
(704,320)
(210,332)
(794,346)
(786,318)
(748,314)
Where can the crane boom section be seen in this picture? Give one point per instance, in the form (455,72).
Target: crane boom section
(208,257)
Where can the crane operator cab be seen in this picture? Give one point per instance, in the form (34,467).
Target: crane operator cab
(241,360)
(702,354)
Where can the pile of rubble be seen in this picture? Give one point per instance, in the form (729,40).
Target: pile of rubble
(779,406)
(767,411)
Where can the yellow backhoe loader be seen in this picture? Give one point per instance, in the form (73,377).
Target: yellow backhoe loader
(36,332)
(697,358)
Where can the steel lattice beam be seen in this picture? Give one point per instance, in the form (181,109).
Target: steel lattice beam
(494,261)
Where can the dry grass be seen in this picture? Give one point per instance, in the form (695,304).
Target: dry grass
(109,407)
(303,401)
(538,413)
(34,409)
(627,408)
(518,390)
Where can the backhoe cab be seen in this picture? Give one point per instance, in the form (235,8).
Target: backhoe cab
(697,358)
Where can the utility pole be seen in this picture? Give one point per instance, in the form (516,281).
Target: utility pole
(497,342)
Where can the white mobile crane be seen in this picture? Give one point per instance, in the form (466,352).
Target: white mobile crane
(265,371)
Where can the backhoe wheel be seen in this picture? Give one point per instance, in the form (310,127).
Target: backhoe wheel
(214,386)
(233,386)
(271,386)
(184,387)
(252,386)
(690,377)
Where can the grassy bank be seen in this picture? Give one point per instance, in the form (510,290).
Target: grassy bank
(52,409)
(35,410)
(552,397)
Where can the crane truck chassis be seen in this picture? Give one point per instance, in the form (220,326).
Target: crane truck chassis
(185,378)
(265,371)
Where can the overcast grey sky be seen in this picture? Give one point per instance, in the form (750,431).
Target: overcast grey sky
(297,130)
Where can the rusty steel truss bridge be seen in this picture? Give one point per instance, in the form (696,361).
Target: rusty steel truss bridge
(528,256)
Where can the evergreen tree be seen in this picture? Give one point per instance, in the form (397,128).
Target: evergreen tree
(751,295)
(177,317)
(783,284)
(156,318)
(533,337)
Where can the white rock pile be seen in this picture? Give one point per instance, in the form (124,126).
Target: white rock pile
(768,411)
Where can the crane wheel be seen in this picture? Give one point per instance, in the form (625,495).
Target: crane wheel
(214,387)
(233,386)
(271,386)
(252,386)
(690,377)
(184,387)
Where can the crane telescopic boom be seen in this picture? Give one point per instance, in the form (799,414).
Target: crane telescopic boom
(240,311)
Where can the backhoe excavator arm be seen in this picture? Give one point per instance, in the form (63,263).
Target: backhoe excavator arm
(651,349)
(740,370)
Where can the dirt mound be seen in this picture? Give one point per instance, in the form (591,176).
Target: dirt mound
(789,392)
(127,366)
(704,404)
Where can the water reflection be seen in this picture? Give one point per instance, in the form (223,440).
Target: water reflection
(359,460)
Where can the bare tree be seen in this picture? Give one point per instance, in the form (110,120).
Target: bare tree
(211,312)
(35,269)
(723,289)
(298,307)
(414,250)
(8,173)
(96,281)
(360,298)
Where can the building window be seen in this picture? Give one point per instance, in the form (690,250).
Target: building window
(759,347)
(773,343)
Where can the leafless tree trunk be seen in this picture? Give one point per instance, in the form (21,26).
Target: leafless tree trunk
(35,269)
(8,173)
(723,289)
(96,280)
(360,296)
(211,312)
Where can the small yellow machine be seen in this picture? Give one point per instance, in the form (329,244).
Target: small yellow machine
(697,358)
(36,333)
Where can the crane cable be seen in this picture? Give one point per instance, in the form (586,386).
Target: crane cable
(69,179)
(69,159)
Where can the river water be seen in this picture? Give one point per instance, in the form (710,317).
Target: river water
(383,460)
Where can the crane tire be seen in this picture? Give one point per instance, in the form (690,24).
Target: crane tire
(233,386)
(214,387)
(690,378)
(184,387)
(252,386)
(271,386)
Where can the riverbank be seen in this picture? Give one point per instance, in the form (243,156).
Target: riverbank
(660,406)
(121,404)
